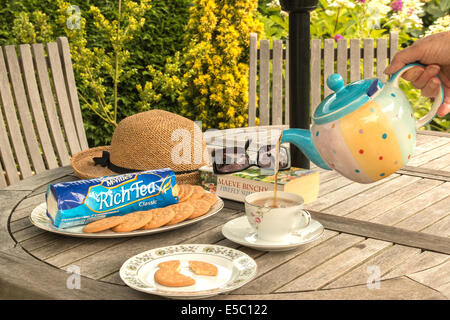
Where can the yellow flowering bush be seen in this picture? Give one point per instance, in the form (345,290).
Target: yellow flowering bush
(208,80)
(36,29)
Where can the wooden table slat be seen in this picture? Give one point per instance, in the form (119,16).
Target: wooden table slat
(386,260)
(336,266)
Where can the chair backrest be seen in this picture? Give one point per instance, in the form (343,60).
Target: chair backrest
(40,118)
(270,69)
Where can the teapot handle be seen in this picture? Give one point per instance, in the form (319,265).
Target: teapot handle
(437,101)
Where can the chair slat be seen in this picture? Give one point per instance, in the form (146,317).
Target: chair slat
(36,105)
(393,44)
(286,86)
(64,50)
(316,83)
(12,121)
(277,83)
(342,59)
(252,79)
(49,103)
(6,152)
(62,98)
(368,58)
(2,177)
(381,58)
(328,64)
(264,83)
(355,60)
(23,108)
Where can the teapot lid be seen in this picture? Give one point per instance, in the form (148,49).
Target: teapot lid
(345,99)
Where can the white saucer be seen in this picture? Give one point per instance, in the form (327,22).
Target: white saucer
(239,230)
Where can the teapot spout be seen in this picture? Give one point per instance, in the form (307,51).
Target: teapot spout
(303,140)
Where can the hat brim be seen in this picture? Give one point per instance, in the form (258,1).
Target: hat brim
(84,167)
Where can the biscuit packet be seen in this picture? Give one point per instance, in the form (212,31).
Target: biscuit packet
(81,202)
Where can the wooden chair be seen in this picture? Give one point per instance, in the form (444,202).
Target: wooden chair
(271,102)
(40,118)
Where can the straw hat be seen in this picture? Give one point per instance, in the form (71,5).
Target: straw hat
(148,140)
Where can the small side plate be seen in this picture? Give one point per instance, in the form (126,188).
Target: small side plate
(235,269)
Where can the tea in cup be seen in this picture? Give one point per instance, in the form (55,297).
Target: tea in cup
(276,221)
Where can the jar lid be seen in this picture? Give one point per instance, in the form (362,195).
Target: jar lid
(345,99)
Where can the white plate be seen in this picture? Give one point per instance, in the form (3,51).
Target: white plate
(235,269)
(240,231)
(40,219)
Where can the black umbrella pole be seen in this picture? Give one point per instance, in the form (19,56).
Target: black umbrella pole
(299,79)
(299,72)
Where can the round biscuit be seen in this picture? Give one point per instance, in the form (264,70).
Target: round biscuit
(210,197)
(187,192)
(161,216)
(180,191)
(198,192)
(103,224)
(200,208)
(134,221)
(182,211)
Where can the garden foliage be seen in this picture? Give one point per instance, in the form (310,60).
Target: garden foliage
(159,37)
(208,79)
(191,56)
(346,19)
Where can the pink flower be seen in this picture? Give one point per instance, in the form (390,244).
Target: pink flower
(361,1)
(258,220)
(397,5)
(338,37)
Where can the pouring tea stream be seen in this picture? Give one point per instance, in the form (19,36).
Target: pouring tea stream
(365,130)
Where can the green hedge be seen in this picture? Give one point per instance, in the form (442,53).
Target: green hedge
(160,38)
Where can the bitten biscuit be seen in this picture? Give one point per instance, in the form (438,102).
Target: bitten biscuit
(182,210)
(172,264)
(134,221)
(171,278)
(200,208)
(161,216)
(103,224)
(203,268)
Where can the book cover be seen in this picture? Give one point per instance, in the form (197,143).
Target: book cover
(237,186)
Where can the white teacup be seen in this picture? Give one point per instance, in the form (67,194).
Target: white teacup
(276,224)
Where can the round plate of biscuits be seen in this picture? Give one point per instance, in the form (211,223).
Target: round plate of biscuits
(188,271)
(195,204)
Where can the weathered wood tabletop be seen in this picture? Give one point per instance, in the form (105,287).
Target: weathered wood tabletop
(397,229)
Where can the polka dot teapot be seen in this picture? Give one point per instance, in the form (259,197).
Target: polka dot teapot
(365,130)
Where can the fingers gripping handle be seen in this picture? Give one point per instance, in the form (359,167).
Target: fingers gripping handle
(437,101)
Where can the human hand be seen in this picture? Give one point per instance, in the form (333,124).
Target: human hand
(434,52)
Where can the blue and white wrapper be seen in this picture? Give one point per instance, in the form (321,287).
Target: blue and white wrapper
(81,202)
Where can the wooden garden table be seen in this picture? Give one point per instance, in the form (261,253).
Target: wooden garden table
(397,228)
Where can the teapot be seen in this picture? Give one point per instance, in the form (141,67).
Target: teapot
(365,130)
